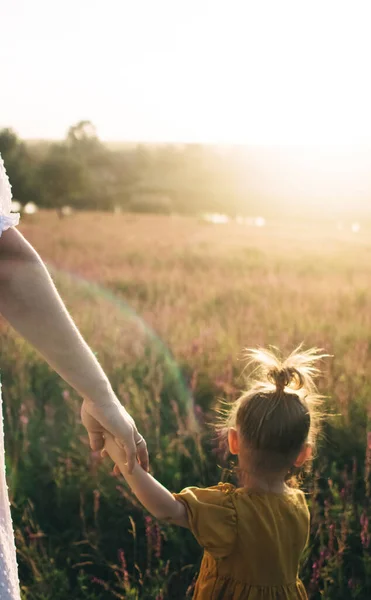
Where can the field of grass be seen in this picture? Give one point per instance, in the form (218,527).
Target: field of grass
(168,304)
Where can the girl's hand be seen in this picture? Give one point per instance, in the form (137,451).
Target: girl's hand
(113,449)
(116,453)
(111,416)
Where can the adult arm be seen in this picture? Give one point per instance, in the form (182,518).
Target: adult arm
(30,302)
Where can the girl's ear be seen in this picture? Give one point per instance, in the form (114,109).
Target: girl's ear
(233,441)
(304,455)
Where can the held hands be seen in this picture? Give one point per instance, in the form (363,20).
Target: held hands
(111,417)
(116,453)
(150,493)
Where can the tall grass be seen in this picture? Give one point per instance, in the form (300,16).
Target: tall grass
(167,304)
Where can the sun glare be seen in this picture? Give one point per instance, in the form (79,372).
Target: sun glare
(263,74)
(257,73)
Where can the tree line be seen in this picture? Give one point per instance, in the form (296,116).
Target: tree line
(83,172)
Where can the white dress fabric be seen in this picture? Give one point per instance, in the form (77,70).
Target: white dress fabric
(9,586)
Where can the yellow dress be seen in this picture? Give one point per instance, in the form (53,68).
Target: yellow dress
(253,542)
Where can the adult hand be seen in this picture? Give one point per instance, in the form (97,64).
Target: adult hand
(112,417)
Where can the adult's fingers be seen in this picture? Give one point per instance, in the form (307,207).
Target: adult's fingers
(93,427)
(131,452)
(96,440)
(142,453)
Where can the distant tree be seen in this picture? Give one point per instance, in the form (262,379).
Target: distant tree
(62,178)
(19,166)
(84,132)
(98,162)
(8,141)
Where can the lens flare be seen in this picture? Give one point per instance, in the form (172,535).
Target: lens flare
(112,325)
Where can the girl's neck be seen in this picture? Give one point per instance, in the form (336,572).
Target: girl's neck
(263,482)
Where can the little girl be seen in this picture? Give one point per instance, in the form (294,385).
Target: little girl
(254,535)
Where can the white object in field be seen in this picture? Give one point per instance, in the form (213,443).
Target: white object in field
(15,206)
(356,227)
(66,211)
(117,210)
(30,208)
(251,221)
(216,218)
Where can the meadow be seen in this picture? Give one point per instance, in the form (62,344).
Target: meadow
(168,304)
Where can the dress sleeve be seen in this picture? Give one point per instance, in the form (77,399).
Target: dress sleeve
(7,219)
(212,517)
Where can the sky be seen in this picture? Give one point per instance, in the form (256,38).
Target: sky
(234,71)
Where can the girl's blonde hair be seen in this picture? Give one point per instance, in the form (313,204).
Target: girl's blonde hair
(280,411)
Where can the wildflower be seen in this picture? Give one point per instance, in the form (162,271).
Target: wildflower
(100,582)
(124,569)
(96,503)
(158,541)
(365,536)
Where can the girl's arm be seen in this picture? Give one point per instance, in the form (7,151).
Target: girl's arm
(32,305)
(152,494)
